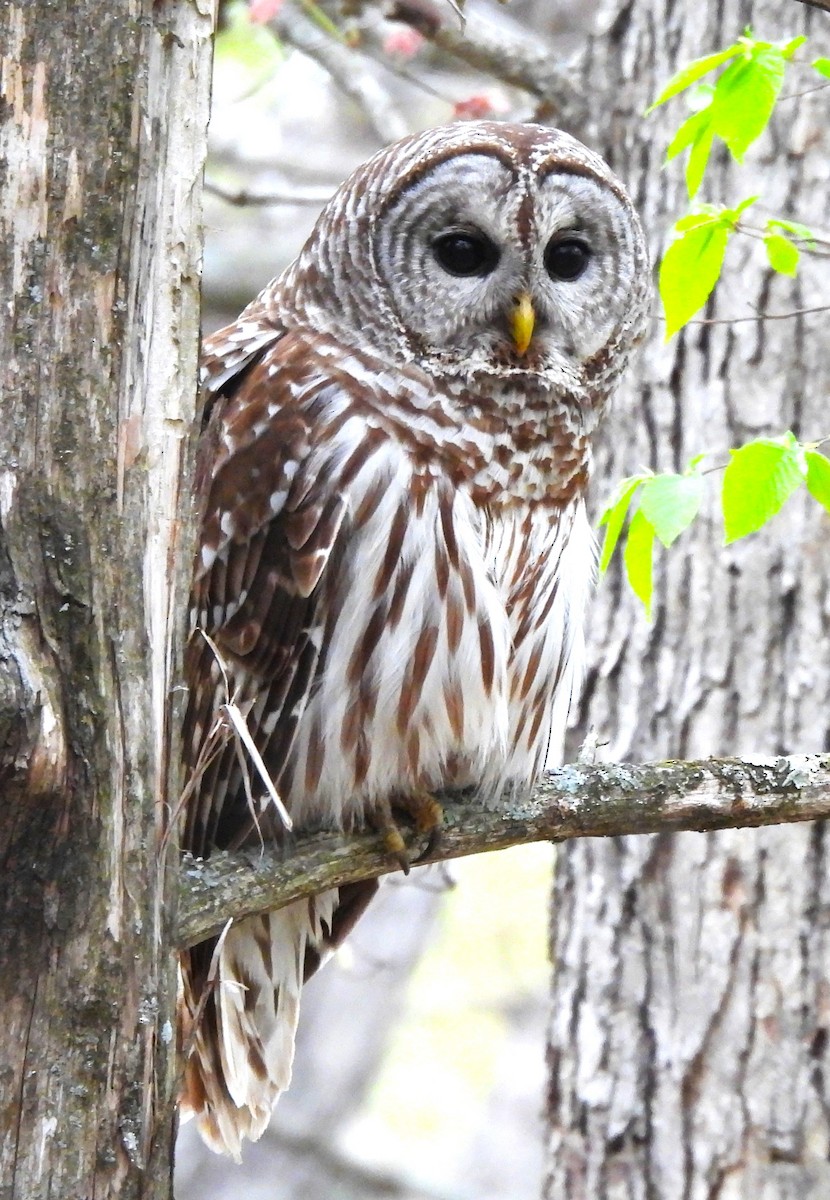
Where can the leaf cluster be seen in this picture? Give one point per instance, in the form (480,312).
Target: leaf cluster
(734,110)
(692,264)
(757,481)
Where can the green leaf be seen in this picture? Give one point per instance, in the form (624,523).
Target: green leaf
(614,515)
(707,214)
(670,503)
(822,65)
(783,255)
(733,215)
(792,443)
(745,96)
(700,97)
(818,478)
(639,549)
(698,160)
(802,233)
(689,271)
(692,72)
(688,133)
(789,48)
(247,46)
(737,109)
(759,478)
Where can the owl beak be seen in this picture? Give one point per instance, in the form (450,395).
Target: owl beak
(522,320)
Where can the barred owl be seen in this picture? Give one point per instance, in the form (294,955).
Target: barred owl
(394,556)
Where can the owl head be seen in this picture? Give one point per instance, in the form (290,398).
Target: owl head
(477,250)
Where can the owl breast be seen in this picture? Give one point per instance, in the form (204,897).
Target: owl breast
(451,634)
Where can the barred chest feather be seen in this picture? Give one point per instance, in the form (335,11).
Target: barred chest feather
(452,629)
(395,577)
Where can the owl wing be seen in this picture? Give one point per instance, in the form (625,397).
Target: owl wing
(269,526)
(272,519)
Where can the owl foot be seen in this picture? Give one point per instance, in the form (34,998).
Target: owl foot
(395,847)
(424,812)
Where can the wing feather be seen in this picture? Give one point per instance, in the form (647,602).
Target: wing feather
(271,518)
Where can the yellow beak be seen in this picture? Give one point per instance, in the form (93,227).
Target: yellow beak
(522,320)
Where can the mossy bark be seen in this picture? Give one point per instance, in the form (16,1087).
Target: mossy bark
(102,135)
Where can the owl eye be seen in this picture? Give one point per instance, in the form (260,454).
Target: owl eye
(465,253)
(567,258)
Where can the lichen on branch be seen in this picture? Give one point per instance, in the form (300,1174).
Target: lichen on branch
(604,800)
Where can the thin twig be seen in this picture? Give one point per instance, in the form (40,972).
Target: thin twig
(207,991)
(807,92)
(315,197)
(237,721)
(241,729)
(371,46)
(576,801)
(345,67)
(760,316)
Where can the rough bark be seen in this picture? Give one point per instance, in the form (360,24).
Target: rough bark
(688,1045)
(102,131)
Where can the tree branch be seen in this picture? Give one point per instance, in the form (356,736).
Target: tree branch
(313,197)
(576,801)
(346,69)
(521,62)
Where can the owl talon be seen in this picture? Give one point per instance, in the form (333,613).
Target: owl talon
(424,812)
(433,841)
(395,847)
(427,815)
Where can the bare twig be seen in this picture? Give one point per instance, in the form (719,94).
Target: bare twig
(237,720)
(314,197)
(195,1018)
(759,316)
(819,87)
(576,801)
(345,67)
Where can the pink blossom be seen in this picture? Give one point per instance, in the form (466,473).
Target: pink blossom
(403,42)
(261,11)
(474,107)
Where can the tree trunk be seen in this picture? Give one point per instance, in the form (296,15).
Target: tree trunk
(688,1044)
(102,134)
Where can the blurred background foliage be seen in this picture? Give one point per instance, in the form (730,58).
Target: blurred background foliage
(482,977)
(420,1063)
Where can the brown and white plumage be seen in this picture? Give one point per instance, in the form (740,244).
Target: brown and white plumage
(394,557)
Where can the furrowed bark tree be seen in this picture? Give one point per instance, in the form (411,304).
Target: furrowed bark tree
(688,1048)
(102,137)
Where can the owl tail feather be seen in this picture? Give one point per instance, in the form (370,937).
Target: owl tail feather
(238,1016)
